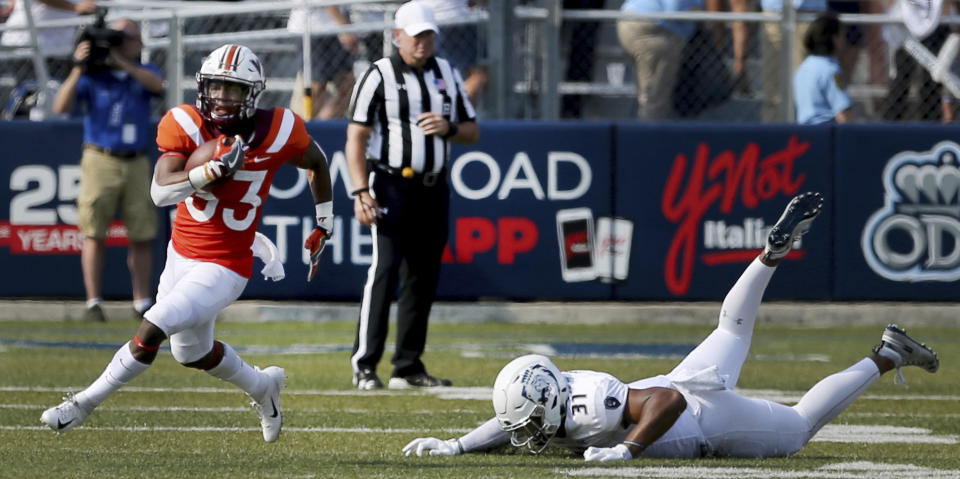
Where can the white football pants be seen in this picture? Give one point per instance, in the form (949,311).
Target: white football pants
(189,296)
(739,426)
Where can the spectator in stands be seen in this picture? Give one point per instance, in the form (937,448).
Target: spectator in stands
(331,60)
(740,36)
(654,47)
(852,36)
(460,44)
(818,85)
(5,10)
(948,102)
(898,104)
(773,101)
(52,41)
(114,95)
(582,41)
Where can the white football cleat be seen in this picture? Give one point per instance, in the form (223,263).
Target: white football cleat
(65,416)
(271,416)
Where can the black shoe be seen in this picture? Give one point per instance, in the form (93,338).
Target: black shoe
(366,380)
(794,222)
(95,314)
(422,380)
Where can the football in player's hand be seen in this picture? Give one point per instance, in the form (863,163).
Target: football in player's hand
(202,155)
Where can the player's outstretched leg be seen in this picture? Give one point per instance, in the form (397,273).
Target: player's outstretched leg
(76,407)
(261,385)
(728,345)
(833,394)
(793,223)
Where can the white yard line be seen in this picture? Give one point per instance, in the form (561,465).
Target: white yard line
(470,393)
(421,411)
(845,470)
(286,429)
(478,393)
(861,434)
(39,407)
(875,434)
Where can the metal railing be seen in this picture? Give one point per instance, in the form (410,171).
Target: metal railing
(523,49)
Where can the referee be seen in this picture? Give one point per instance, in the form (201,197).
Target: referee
(404,112)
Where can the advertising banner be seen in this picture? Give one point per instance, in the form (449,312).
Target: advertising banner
(898,212)
(703,198)
(570,211)
(39,241)
(505,194)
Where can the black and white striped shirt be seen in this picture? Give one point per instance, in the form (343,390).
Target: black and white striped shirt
(390,97)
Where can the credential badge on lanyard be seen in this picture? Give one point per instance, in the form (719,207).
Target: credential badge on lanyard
(442,88)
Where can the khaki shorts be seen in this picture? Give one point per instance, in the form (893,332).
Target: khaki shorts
(107,183)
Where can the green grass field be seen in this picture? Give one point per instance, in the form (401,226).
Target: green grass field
(173,422)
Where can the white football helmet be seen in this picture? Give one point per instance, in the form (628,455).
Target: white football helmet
(529,397)
(230,63)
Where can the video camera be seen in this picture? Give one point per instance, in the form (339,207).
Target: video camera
(101,38)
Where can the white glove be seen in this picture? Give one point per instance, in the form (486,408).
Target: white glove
(607,454)
(264,249)
(436,447)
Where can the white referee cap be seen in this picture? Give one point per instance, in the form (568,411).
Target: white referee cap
(415,18)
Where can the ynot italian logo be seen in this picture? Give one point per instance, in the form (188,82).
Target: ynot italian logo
(915,236)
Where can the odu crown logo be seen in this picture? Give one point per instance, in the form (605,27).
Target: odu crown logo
(916,235)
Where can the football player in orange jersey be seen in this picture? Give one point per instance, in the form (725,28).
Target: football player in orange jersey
(209,257)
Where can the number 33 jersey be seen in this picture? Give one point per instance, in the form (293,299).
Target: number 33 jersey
(219,226)
(595,417)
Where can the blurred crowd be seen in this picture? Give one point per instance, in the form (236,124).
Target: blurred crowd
(722,66)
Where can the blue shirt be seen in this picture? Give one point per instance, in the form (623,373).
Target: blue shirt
(684,29)
(116,109)
(817,90)
(804,5)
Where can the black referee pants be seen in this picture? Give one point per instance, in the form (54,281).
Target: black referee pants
(408,243)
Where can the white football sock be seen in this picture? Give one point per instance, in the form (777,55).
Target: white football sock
(93,302)
(122,368)
(234,369)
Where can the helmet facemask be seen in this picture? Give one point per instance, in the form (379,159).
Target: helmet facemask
(225,108)
(532,432)
(236,67)
(530,396)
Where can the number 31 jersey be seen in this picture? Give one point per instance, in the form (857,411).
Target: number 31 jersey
(219,226)
(594,417)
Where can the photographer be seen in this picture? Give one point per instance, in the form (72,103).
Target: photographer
(112,90)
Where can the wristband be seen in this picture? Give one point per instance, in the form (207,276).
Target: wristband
(635,444)
(359,190)
(452,130)
(325,215)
